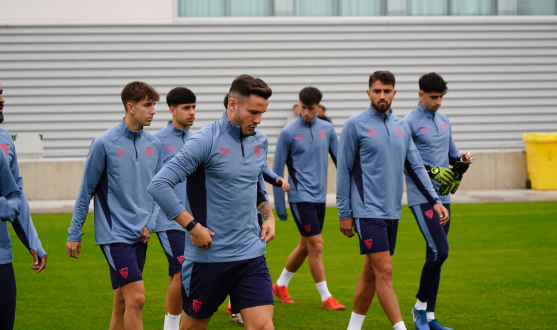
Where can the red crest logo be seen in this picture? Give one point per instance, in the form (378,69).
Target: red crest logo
(5,148)
(374,132)
(149,151)
(225,151)
(429,213)
(425,129)
(180,259)
(299,137)
(124,273)
(368,243)
(120,153)
(308,228)
(399,131)
(257,151)
(323,134)
(170,149)
(196,305)
(445,126)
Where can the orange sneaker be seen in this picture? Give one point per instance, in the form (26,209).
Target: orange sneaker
(228,310)
(332,304)
(282,293)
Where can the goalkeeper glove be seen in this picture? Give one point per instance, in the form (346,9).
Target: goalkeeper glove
(441,174)
(459,168)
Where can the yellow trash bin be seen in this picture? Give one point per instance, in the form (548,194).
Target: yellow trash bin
(541,160)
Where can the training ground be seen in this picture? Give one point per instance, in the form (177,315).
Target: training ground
(501,274)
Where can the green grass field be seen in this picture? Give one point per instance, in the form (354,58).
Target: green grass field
(501,273)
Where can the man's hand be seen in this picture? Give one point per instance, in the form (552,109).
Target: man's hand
(443,213)
(441,174)
(348,227)
(73,249)
(467,157)
(38,264)
(284,183)
(201,236)
(145,235)
(268,229)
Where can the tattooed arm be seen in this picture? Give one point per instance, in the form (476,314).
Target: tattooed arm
(268,228)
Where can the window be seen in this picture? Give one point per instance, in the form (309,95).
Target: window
(246,8)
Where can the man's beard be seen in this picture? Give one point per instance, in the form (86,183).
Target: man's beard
(1,118)
(384,107)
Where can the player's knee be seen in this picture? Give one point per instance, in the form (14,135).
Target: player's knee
(137,302)
(384,273)
(267,326)
(315,247)
(442,256)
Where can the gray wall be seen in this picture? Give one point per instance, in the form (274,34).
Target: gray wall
(65,81)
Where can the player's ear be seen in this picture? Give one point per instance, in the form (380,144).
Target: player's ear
(130,108)
(172,111)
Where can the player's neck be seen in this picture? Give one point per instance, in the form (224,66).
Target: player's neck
(133,125)
(178,125)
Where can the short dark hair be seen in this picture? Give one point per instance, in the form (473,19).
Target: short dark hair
(246,85)
(310,95)
(225,102)
(385,77)
(323,107)
(295,105)
(432,82)
(137,91)
(180,95)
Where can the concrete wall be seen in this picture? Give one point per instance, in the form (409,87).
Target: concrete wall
(59,179)
(86,12)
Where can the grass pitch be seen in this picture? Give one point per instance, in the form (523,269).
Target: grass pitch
(501,273)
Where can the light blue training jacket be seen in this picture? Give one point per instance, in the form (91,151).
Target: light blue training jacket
(119,167)
(374,150)
(304,148)
(224,172)
(172,140)
(22,224)
(432,135)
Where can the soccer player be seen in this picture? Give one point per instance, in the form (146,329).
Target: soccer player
(431,132)
(304,146)
(22,225)
(119,167)
(225,246)
(375,148)
(181,103)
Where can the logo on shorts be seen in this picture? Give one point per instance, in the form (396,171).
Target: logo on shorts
(399,131)
(4,147)
(445,126)
(196,305)
(425,128)
(257,151)
(368,243)
(120,152)
(323,134)
(299,137)
(429,213)
(374,132)
(308,228)
(124,273)
(225,152)
(180,259)
(170,149)
(149,151)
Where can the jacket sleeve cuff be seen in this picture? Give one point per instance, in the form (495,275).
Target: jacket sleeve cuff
(75,238)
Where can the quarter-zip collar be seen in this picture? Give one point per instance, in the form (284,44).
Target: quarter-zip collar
(129,134)
(176,131)
(301,121)
(426,112)
(232,129)
(381,116)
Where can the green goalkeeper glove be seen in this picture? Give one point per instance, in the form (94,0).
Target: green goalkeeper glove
(458,170)
(441,174)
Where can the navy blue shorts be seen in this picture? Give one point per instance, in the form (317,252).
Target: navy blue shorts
(173,243)
(126,262)
(309,217)
(206,285)
(376,235)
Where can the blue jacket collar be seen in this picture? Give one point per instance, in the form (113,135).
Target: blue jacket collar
(425,111)
(232,129)
(175,130)
(378,115)
(301,121)
(123,127)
